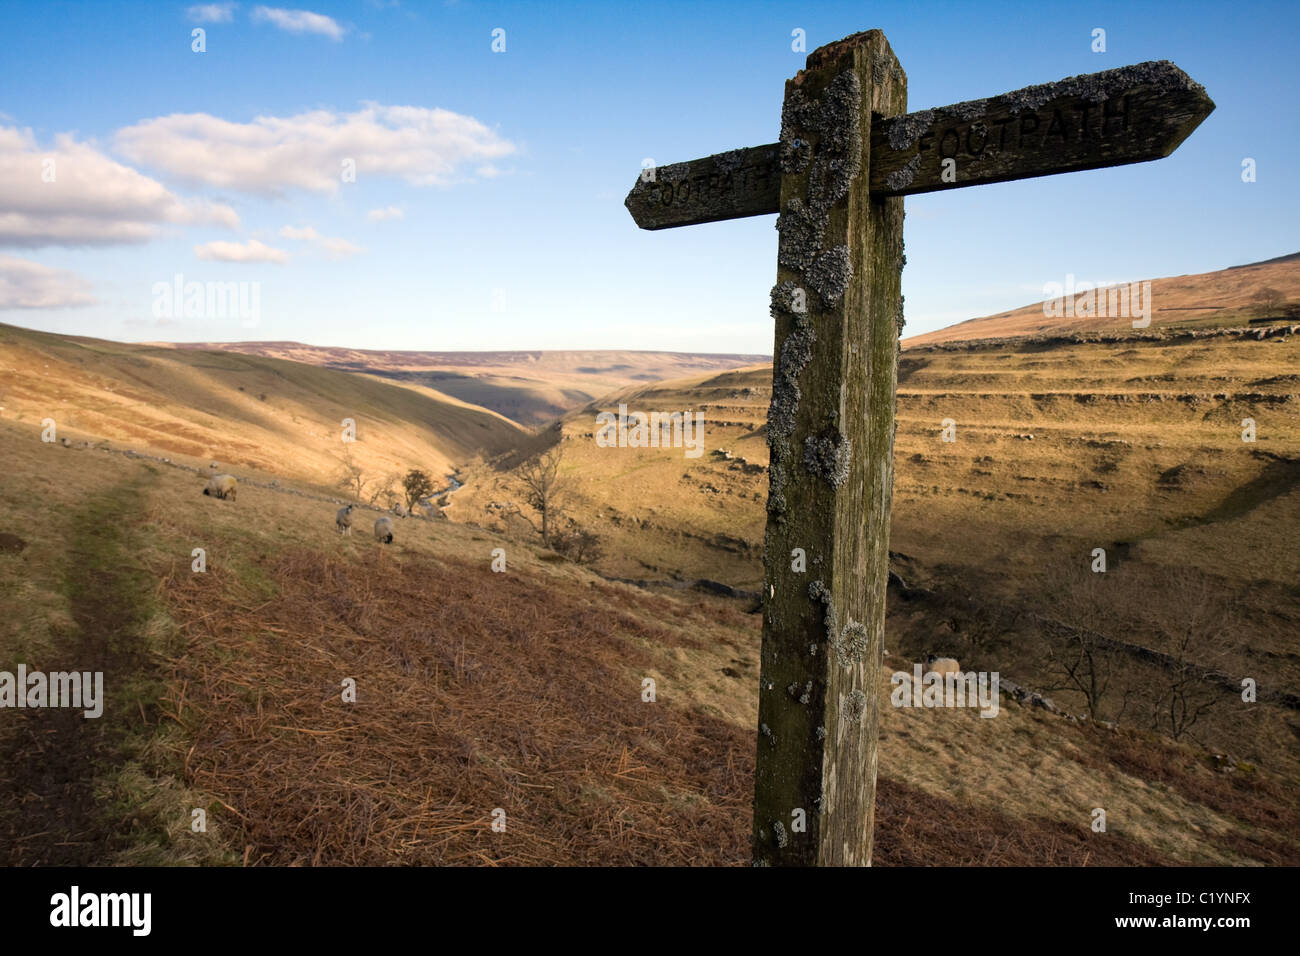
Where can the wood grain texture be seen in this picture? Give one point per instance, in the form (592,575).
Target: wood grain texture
(830,429)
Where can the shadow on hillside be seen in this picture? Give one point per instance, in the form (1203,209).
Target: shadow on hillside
(52,756)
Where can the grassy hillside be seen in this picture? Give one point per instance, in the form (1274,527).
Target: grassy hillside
(1209,299)
(1061,447)
(476,691)
(244,411)
(529,387)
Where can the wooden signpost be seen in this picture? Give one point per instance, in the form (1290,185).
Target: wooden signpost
(847,154)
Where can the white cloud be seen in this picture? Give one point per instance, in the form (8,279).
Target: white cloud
(250,251)
(391,212)
(30,285)
(299,21)
(93,200)
(212,12)
(424,147)
(339,248)
(334,248)
(306,232)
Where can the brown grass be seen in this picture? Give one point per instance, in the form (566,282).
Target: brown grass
(475,691)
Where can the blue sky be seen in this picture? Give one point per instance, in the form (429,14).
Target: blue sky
(508,170)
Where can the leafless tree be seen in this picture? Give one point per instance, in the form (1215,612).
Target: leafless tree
(1270,301)
(1077,654)
(1190,622)
(546,491)
(352,477)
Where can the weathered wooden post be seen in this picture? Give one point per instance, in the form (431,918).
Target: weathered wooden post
(847,155)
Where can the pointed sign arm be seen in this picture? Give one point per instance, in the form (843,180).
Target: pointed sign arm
(1133,114)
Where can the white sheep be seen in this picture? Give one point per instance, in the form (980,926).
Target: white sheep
(399,509)
(343,520)
(384,529)
(221,486)
(942,665)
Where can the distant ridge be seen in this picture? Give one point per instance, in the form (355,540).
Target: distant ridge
(1226,297)
(528,386)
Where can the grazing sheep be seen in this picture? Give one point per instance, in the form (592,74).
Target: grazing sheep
(221,486)
(384,530)
(942,665)
(399,509)
(343,520)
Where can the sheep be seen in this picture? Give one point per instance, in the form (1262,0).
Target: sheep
(221,486)
(399,509)
(942,665)
(343,520)
(384,529)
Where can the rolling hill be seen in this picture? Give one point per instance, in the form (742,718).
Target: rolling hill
(245,411)
(1222,298)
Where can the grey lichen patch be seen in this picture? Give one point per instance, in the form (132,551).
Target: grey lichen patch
(902,177)
(821,734)
(830,273)
(828,455)
(803,696)
(778,830)
(766,731)
(969,109)
(898,319)
(796,151)
(728,162)
(801,232)
(796,353)
(906,130)
(855,705)
(1098,87)
(819,592)
(853,643)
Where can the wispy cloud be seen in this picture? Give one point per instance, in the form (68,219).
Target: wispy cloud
(250,251)
(390,212)
(299,21)
(212,12)
(30,285)
(332,247)
(71,194)
(425,147)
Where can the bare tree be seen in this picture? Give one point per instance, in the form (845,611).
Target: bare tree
(352,477)
(382,488)
(1270,301)
(1078,656)
(1190,622)
(546,491)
